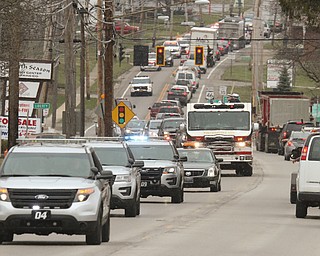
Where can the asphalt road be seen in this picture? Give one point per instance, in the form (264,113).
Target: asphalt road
(250,216)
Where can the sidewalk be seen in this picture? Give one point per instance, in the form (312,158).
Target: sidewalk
(59,111)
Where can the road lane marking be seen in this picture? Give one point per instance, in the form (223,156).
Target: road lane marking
(216,67)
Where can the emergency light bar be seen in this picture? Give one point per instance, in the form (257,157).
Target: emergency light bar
(218,106)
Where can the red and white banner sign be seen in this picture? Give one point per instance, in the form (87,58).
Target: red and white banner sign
(26,126)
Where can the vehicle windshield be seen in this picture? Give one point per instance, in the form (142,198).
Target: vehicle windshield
(141,81)
(136,124)
(112,156)
(155,125)
(47,164)
(169,124)
(218,121)
(152,152)
(198,156)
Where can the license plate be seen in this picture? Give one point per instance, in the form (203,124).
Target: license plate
(144,184)
(188,179)
(41,214)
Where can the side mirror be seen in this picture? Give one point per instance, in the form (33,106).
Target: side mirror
(255,126)
(296,153)
(138,164)
(183,159)
(105,175)
(220,160)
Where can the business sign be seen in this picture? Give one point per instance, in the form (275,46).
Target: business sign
(26,89)
(29,70)
(25,108)
(26,126)
(274,68)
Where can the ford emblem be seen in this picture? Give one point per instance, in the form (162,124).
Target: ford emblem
(41,197)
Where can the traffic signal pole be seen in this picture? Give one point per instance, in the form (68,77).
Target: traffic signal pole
(108,70)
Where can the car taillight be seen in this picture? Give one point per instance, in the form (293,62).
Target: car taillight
(285,135)
(170,92)
(289,143)
(185,93)
(199,138)
(304,152)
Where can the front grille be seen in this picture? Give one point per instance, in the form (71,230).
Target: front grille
(151,173)
(55,199)
(141,88)
(193,172)
(225,144)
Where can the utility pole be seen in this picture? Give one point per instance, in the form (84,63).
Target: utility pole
(108,69)
(100,74)
(69,70)
(87,61)
(82,73)
(255,61)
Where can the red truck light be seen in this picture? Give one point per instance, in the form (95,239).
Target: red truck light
(304,152)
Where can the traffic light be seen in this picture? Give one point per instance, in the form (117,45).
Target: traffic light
(199,55)
(121,114)
(160,56)
(121,53)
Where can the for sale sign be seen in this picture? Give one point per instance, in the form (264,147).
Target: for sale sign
(26,126)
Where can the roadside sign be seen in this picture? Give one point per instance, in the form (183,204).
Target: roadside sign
(41,105)
(223,90)
(122,114)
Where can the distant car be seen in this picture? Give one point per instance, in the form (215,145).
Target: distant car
(141,85)
(169,127)
(189,75)
(266,30)
(186,82)
(184,46)
(168,58)
(135,127)
(125,101)
(171,109)
(181,93)
(190,62)
(154,109)
(152,128)
(152,63)
(174,102)
(202,169)
(174,47)
(286,132)
(296,140)
(161,116)
(127,28)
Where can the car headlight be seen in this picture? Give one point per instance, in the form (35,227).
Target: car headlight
(128,131)
(123,178)
(4,195)
(212,172)
(83,194)
(169,170)
(240,144)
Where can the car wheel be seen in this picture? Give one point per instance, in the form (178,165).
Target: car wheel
(301,209)
(6,238)
(150,93)
(106,230)
(214,188)
(177,198)
(131,210)
(95,237)
(247,171)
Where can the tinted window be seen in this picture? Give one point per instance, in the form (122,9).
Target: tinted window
(112,156)
(47,164)
(315,149)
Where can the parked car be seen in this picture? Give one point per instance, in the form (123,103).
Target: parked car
(152,63)
(118,158)
(296,140)
(54,188)
(202,169)
(162,174)
(181,93)
(127,28)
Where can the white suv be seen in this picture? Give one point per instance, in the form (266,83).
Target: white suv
(54,188)
(308,176)
(141,85)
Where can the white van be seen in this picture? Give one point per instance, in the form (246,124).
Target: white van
(188,75)
(308,176)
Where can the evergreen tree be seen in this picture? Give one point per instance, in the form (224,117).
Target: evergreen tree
(284,80)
